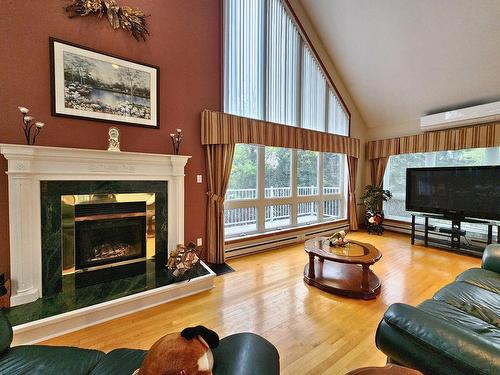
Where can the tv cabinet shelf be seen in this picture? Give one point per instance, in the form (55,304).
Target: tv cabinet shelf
(450,235)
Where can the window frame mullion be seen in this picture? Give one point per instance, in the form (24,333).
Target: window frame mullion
(320,186)
(261,185)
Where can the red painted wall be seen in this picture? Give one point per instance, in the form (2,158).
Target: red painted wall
(185,43)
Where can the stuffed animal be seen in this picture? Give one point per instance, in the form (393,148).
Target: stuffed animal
(185,353)
(338,239)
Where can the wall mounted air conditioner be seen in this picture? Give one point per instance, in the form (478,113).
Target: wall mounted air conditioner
(479,114)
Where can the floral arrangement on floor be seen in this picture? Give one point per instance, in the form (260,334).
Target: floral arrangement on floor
(131,19)
(373,199)
(183,259)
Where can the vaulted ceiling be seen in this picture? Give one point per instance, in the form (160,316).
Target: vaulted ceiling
(401,59)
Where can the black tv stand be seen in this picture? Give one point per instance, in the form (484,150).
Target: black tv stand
(453,233)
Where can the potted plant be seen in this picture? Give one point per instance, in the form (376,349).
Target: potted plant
(373,199)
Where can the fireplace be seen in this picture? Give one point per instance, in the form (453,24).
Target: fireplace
(108,234)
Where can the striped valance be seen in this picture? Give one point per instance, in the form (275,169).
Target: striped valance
(487,135)
(223,128)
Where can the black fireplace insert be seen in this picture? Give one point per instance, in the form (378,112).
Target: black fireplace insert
(109,234)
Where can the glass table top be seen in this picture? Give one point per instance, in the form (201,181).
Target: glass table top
(350,250)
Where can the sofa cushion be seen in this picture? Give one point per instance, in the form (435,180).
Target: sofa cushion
(482,278)
(473,300)
(461,319)
(48,360)
(5,333)
(120,362)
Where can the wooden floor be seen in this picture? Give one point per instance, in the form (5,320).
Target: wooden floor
(315,332)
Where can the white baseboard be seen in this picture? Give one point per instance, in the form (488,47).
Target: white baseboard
(44,329)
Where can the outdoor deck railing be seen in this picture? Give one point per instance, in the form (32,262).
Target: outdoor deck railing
(278,192)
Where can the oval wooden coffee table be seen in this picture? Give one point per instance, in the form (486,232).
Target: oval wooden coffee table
(342,270)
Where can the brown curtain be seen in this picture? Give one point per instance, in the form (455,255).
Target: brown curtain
(377,170)
(223,128)
(486,135)
(352,165)
(219,162)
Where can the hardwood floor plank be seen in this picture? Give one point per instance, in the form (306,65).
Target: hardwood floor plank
(315,332)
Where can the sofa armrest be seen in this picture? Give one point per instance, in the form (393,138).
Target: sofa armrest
(245,354)
(418,339)
(5,333)
(491,258)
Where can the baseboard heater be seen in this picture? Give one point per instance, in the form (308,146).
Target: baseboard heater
(258,245)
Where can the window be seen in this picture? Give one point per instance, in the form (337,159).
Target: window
(395,174)
(272,188)
(271,74)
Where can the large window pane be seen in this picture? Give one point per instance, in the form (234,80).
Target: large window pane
(331,173)
(307,212)
(244,57)
(331,209)
(307,173)
(243,179)
(277,172)
(313,93)
(239,221)
(283,59)
(278,216)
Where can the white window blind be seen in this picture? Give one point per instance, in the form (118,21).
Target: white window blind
(244,58)
(338,122)
(270,72)
(282,66)
(313,93)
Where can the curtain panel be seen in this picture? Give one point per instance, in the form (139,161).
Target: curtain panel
(219,162)
(352,166)
(377,170)
(223,128)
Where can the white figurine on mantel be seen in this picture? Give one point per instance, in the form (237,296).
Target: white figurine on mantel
(113,139)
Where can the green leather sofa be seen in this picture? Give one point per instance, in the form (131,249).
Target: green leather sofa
(239,354)
(456,332)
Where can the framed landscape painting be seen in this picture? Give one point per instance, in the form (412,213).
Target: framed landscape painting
(93,85)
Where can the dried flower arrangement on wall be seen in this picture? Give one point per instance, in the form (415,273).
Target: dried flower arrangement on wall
(128,18)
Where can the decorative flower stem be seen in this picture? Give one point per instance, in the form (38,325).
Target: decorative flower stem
(28,126)
(176,140)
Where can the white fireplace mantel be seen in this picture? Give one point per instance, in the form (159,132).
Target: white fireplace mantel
(28,165)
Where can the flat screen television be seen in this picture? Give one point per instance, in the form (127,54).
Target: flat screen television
(455,191)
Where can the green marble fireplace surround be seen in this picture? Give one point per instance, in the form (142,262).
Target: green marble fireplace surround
(51,223)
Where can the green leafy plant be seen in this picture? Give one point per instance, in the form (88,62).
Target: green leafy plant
(374,197)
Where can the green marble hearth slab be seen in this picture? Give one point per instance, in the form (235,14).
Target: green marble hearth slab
(70,299)
(51,192)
